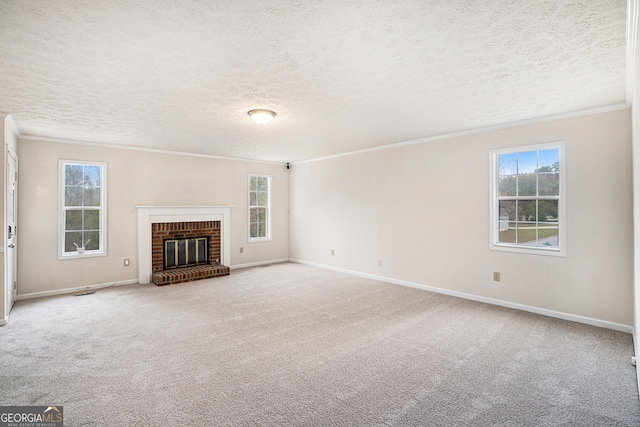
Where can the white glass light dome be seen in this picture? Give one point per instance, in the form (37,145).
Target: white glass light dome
(262,117)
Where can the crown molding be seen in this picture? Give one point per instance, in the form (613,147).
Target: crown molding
(544,119)
(26,138)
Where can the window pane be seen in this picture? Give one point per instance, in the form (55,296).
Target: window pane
(262,215)
(91,219)
(548,234)
(508,235)
(73,220)
(73,196)
(527,184)
(261,230)
(527,162)
(507,185)
(92,176)
(262,198)
(253,199)
(526,210)
(253,183)
(92,197)
(507,211)
(549,160)
(92,240)
(262,184)
(253,230)
(507,164)
(73,174)
(71,239)
(527,233)
(549,184)
(548,210)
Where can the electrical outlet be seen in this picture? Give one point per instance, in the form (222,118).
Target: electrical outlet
(333,252)
(496,276)
(379,263)
(126,262)
(241,250)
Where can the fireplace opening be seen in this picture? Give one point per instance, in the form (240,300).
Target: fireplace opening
(180,253)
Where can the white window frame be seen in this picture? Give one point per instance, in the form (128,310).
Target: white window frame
(102,251)
(267,237)
(494,229)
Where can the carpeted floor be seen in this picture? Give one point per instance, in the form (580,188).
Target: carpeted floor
(290,344)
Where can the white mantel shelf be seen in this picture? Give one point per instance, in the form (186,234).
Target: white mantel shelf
(148,215)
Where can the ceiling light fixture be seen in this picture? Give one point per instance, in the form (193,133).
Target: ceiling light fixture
(262,117)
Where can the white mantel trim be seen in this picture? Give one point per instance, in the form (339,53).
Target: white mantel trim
(148,215)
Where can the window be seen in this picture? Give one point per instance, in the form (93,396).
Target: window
(259,207)
(82,209)
(528,202)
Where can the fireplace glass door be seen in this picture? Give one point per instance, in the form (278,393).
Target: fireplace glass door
(186,252)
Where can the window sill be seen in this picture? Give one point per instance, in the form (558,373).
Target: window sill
(560,252)
(75,255)
(256,240)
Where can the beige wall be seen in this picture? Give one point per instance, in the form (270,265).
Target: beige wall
(134,179)
(424,210)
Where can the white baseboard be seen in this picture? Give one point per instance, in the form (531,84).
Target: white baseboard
(259,263)
(507,304)
(3,321)
(75,289)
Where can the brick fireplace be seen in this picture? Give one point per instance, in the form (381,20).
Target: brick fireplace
(178,222)
(170,236)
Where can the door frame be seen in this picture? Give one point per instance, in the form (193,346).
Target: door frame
(10,291)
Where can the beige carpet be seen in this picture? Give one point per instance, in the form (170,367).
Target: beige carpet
(290,344)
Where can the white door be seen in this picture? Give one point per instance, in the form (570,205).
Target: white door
(11,250)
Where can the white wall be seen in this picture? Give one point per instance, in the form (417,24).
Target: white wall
(134,179)
(424,210)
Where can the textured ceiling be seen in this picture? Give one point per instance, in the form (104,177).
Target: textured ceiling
(342,75)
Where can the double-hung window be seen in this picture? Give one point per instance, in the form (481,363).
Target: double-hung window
(82,209)
(259,208)
(528,200)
